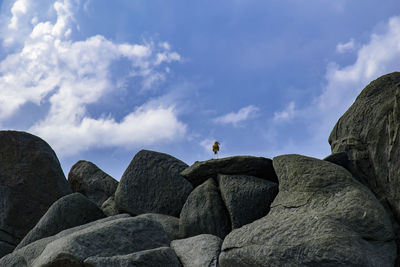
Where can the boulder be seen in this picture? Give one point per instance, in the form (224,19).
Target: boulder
(198,251)
(152,184)
(201,171)
(204,212)
(368,132)
(86,178)
(247,198)
(321,216)
(25,256)
(109,207)
(116,237)
(31,179)
(157,257)
(67,212)
(169,223)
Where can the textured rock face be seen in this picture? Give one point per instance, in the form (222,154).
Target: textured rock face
(158,257)
(109,207)
(25,256)
(247,198)
(152,184)
(86,178)
(204,212)
(67,212)
(169,223)
(201,171)
(369,134)
(31,179)
(198,251)
(321,216)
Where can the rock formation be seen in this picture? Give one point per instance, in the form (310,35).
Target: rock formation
(238,211)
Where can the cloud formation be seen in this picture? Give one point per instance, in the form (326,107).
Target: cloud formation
(286,114)
(235,118)
(52,68)
(345,47)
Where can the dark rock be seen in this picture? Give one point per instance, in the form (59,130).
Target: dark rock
(201,171)
(31,179)
(321,216)
(152,184)
(67,212)
(169,223)
(247,198)
(368,133)
(198,251)
(6,248)
(25,256)
(116,237)
(204,212)
(86,178)
(158,257)
(109,207)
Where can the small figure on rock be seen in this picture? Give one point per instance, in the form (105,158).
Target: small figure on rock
(215,148)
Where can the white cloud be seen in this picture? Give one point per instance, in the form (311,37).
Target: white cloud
(379,56)
(346,47)
(236,117)
(287,114)
(70,75)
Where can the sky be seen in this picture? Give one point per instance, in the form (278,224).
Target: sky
(100,80)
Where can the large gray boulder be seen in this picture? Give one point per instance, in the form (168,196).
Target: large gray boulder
(201,171)
(169,223)
(247,198)
(152,184)
(204,212)
(157,257)
(368,133)
(86,178)
(25,256)
(198,251)
(67,212)
(321,216)
(31,179)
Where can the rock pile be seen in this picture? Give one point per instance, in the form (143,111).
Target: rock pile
(292,210)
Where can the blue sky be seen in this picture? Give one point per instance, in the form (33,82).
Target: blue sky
(99,80)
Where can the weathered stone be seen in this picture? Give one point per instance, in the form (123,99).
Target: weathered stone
(86,178)
(116,237)
(247,198)
(6,248)
(158,257)
(204,212)
(67,212)
(152,184)
(109,207)
(369,133)
(31,179)
(321,216)
(169,223)
(201,171)
(198,251)
(25,256)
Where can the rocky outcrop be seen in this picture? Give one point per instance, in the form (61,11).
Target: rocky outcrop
(109,207)
(86,178)
(152,184)
(67,212)
(25,256)
(204,212)
(169,223)
(31,179)
(321,216)
(247,198)
(368,133)
(201,171)
(158,257)
(198,251)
